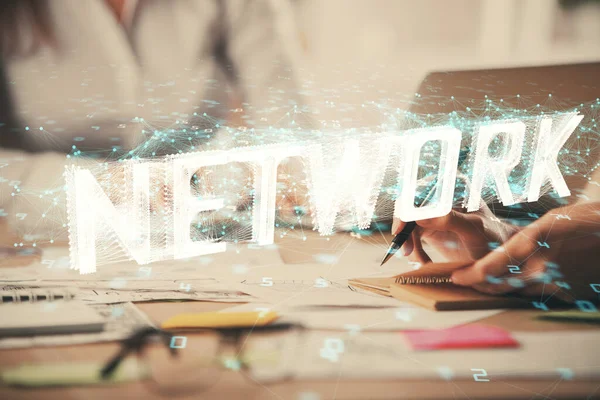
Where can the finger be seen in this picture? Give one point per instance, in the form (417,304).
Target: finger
(419,253)
(499,285)
(468,227)
(408,246)
(490,288)
(451,246)
(469,230)
(531,273)
(531,290)
(515,252)
(397,226)
(545,292)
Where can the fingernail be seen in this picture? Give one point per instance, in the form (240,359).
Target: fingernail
(395,226)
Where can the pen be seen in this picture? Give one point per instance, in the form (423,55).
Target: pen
(404,234)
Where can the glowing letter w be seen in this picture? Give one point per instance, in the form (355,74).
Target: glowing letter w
(346,180)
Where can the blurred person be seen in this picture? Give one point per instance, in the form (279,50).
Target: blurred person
(100,75)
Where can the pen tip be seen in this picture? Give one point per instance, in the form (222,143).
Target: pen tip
(386,258)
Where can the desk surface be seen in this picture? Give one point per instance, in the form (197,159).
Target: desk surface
(233,386)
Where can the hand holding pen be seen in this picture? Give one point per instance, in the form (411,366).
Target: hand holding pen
(403,236)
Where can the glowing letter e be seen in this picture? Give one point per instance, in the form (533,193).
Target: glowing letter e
(498,167)
(186,206)
(405,208)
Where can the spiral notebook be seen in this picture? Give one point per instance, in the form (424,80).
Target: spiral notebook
(431,286)
(26,294)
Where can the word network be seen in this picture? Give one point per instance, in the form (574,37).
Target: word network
(344,174)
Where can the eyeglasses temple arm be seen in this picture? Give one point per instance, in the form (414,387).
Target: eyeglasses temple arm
(134,342)
(110,367)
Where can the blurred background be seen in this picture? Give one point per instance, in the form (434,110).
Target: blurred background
(403,39)
(146,78)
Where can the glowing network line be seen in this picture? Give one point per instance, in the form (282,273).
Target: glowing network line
(345,175)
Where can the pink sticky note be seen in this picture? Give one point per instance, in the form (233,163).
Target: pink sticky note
(460,337)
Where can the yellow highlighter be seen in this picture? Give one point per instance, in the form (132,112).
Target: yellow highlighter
(216,320)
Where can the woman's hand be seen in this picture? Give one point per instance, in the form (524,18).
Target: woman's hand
(559,253)
(458,236)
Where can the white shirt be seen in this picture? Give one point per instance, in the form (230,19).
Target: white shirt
(108,82)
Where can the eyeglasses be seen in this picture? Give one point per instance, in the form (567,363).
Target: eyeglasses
(194,363)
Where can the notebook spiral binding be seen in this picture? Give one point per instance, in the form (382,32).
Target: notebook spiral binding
(413,280)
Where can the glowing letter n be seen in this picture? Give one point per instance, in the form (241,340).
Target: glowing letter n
(94,220)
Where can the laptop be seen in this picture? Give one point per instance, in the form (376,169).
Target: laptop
(556,87)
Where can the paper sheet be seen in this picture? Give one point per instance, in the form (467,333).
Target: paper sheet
(320,282)
(122,320)
(241,269)
(402,316)
(127,281)
(311,292)
(55,265)
(107,297)
(221,277)
(105,294)
(377,355)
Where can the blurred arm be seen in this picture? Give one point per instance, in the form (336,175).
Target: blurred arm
(264,49)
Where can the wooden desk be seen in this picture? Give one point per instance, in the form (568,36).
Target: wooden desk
(234,386)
